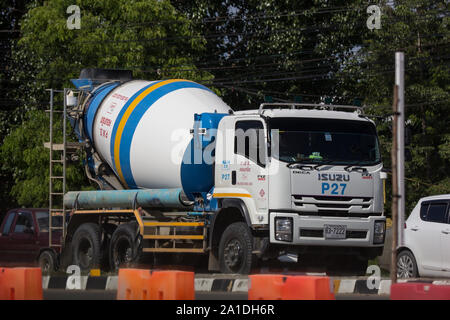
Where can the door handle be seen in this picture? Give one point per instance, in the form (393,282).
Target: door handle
(446,231)
(415,228)
(233,177)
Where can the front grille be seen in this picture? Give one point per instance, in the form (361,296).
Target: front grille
(344,214)
(331,198)
(332,205)
(325,204)
(318,233)
(356,234)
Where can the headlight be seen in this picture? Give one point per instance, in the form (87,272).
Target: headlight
(379,231)
(283,229)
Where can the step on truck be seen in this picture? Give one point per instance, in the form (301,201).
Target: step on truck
(182,177)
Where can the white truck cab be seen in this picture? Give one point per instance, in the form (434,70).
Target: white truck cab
(311,179)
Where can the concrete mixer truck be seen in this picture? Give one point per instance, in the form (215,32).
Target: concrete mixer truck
(182,174)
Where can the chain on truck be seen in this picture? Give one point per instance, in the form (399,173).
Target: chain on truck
(182,177)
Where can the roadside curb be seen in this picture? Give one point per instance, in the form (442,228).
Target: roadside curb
(338,285)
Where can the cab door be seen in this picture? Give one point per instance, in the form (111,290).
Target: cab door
(428,236)
(249,170)
(23,236)
(445,243)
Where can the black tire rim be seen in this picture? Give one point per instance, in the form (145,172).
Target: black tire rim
(123,252)
(233,255)
(85,253)
(405,267)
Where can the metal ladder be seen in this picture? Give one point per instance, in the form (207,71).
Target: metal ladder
(57,157)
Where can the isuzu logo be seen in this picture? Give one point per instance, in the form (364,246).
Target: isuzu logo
(333,177)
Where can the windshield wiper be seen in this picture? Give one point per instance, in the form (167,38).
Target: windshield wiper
(355,167)
(316,167)
(302,166)
(299,165)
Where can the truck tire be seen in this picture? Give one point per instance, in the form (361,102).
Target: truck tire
(107,230)
(47,262)
(235,249)
(86,246)
(125,246)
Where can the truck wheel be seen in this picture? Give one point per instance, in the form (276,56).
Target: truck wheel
(108,230)
(235,249)
(87,246)
(47,262)
(125,246)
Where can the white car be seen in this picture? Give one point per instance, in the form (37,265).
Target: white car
(426,252)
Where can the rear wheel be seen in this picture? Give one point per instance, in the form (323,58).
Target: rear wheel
(125,246)
(87,246)
(235,249)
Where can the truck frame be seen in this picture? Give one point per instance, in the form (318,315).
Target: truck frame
(234,225)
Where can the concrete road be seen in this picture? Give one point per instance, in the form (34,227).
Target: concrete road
(60,294)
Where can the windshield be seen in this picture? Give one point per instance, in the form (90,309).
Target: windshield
(330,141)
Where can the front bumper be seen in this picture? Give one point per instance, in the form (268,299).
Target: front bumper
(308,230)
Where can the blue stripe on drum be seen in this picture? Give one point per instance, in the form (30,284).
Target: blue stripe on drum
(94,103)
(135,118)
(119,118)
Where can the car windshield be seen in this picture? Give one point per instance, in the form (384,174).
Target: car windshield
(324,141)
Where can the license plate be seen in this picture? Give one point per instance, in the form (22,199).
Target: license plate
(334,231)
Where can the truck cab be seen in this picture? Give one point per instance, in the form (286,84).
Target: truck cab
(310,180)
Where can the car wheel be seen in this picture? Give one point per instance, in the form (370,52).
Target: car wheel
(235,249)
(406,265)
(87,246)
(47,262)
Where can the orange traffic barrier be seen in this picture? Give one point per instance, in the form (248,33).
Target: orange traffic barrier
(172,285)
(419,291)
(20,284)
(138,284)
(281,287)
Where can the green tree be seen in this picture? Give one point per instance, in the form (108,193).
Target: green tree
(420,29)
(10,13)
(139,35)
(283,48)
(25,158)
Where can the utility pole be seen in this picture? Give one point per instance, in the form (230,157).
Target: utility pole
(394,189)
(398,161)
(400,83)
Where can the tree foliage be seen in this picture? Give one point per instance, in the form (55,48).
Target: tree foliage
(420,29)
(119,34)
(282,49)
